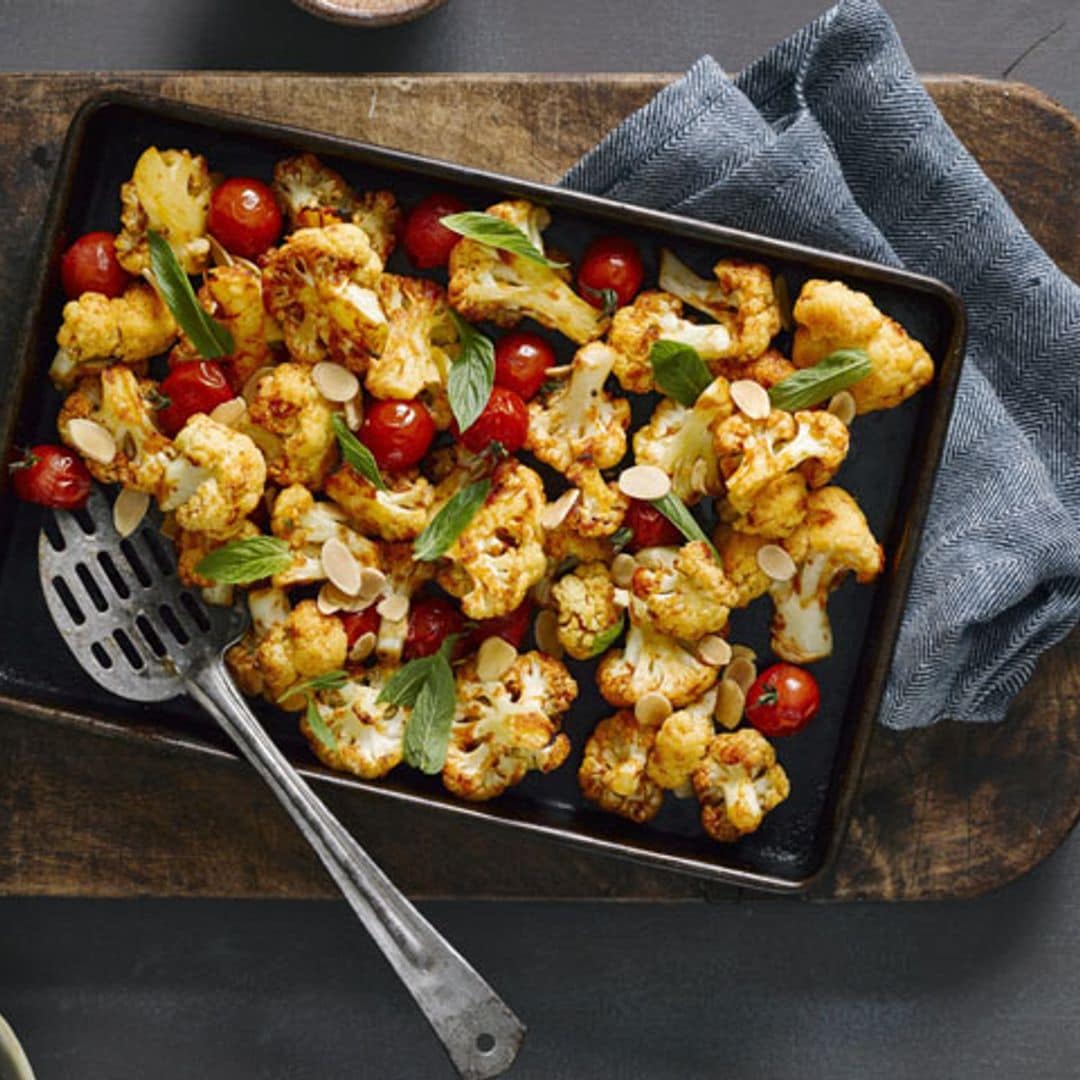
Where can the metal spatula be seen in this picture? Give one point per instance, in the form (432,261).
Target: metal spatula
(138,632)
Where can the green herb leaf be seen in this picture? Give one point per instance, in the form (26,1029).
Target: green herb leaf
(318,725)
(210,338)
(451,521)
(356,453)
(609,298)
(244,561)
(332,680)
(494,232)
(621,537)
(679,371)
(675,510)
(812,385)
(403,687)
(427,734)
(472,374)
(604,640)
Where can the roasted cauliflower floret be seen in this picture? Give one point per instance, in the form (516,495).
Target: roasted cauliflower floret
(378,214)
(681,592)
(268,608)
(589,618)
(288,406)
(738,783)
(652,317)
(405,575)
(768,369)
(168,193)
(564,544)
(601,506)
(681,742)
(777,511)
(753,453)
(680,441)
(831,316)
(741,299)
(98,331)
(216,479)
(319,285)
(506,728)
(613,768)
(579,421)
(499,555)
(193,547)
(738,557)
(652,661)
(491,285)
(399,513)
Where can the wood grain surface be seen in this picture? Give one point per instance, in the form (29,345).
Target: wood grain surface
(952,811)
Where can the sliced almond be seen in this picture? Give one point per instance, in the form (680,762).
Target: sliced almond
(730,702)
(751,398)
(652,709)
(622,569)
(394,607)
(230,412)
(842,406)
(699,475)
(547,633)
(554,514)
(714,651)
(624,778)
(218,255)
(251,386)
(741,671)
(645,482)
(354,413)
(559,371)
(334,382)
(92,440)
(620,598)
(129,510)
(743,650)
(775,562)
(363,647)
(541,592)
(328,601)
(494,659)
(340,566)
(372,582)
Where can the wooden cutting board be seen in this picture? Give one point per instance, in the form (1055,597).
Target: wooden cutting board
(951,811)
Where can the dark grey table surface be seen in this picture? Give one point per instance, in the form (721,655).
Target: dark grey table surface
(170,989)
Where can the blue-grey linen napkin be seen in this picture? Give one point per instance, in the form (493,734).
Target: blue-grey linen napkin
(830,139)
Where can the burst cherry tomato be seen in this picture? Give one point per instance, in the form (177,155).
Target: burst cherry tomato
(359,623)
(521,362)
(649,526)
(90,265)
(52,476)
(610,263)
(427,241)
(505,420)
(432,619)
(398,433)
(244,216)
(783,700)
(511,627)
(195,387)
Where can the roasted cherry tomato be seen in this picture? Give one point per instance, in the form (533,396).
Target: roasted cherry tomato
(610,263)
(52,476)
(783,700)
(195,387)
(649,526)
(90,265)
(505,420)
(244,216)
(521,362)
(427,241)
(511,627)
(359,623)
(398,433)
(432,619)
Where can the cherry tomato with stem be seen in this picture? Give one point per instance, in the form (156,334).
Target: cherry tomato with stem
(199,386)
(53,476)
(511,627)
(649,527)
(358,623)
(432,619)
(244,216)
(505,420)
(427,241)
(521,362)
(90,265)
(611,265)
(783,700)
(398,433)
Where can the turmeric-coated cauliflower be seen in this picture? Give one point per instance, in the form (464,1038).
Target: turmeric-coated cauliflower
(564,545)
(589,620)
(738,556)
(601,506)
(776,512)
(379,215)
(651,661)
(405,574)
(193,547)
(613,768)
(399,513)
(681,742)
(767,369)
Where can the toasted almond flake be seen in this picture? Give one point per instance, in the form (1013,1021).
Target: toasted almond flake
(251,387)
(559,371)
(776,562)
(547,633)
(394,607)
(332,597)
(842,406)
(334,382)
(652,709)
(354,413)
(554,514)
(218,255)
(752,398)
(248,265)
(624,778)
(541,592)
(645,482)
(494,659)
(714,651)
(328,601)
(622,569)
(730,702)
(620,598)
(340,566)
(363,647)
(743,650)
(741,671)
(230,412)
(129,510)
(92,440)
(372,583)
(699,475)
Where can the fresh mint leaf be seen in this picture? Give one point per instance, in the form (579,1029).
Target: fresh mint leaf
(427,733)
(451,521)
(494,232)
(472,374)
(356,454)
(332,680)
(606,638)
(318,725)
(813,385)
(675,510)
(679,371)
(244,561)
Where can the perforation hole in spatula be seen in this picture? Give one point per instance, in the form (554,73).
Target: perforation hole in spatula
(127,647)
(91,587)
(150,635)
(196,611)
(138,568)
(173,624)
(115,580)
(60,586)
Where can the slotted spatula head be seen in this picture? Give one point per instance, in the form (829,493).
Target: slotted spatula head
(121,608)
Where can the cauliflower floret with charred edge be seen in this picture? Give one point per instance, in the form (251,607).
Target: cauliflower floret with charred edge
(564,544)
(830,316)
(741,299)
(169,193)
(601,506)
(121,403)
(681,742)
(378,214)
(579,421)
(491,285)
(216,479)
(777,511)
(369,735)
(651,661)
(98,331)
(499,555)
(834,540)
(193,547)
(681,592)
(320,286)
(289,407)
(589,620)
(679,441)
(738,557)
(768,369)
(506,728)
(613,768)
(657,316)
(405,575)
(753,453)
(399,513)
(738,783)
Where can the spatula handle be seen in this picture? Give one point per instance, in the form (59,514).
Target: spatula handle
(480,1033)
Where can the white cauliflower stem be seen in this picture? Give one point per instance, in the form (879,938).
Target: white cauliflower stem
(652,661)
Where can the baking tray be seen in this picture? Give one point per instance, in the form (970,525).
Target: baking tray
(891,472)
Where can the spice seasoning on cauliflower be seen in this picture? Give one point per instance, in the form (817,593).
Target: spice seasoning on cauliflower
(681,742)
(589,620)
(776,512)
(650,661)
(399,513)
(193,547)
(601,506)
(613,768)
